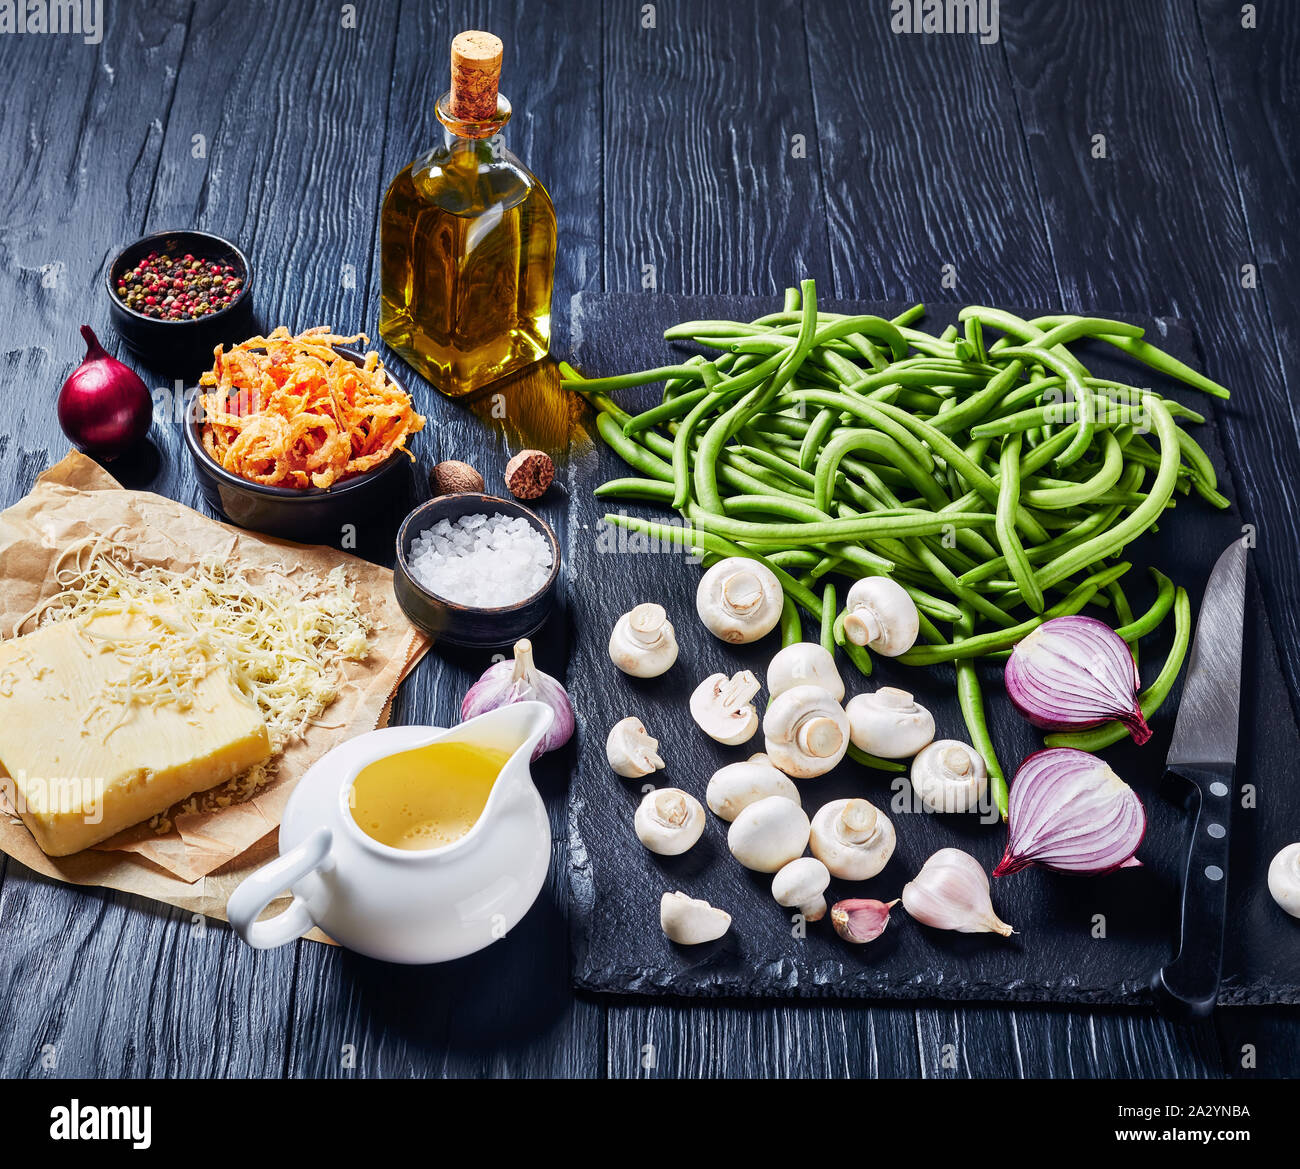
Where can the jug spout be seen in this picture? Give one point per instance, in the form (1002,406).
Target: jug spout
(517,728)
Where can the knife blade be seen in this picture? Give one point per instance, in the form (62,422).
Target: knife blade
(1202,761)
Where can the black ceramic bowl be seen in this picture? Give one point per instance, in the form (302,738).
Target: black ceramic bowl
(310,515)
(461,624)
(180,344)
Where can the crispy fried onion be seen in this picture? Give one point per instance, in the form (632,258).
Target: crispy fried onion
(288,411)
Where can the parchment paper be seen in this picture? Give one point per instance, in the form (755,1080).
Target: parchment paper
(197,864)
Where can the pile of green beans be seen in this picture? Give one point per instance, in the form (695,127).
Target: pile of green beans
(985,469)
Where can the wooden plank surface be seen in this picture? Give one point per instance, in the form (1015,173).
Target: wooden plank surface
(670,146)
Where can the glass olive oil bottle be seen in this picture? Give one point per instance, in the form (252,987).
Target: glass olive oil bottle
(467,241)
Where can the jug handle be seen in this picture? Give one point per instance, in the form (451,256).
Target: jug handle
(256,892)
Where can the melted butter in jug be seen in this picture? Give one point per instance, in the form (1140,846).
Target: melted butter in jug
(425,798)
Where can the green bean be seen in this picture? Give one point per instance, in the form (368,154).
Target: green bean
(859,527)
(635,456)
(828,618)
(1073,494)
(1136,522)
(929,655)
(1008,499)
(1151,699)
(1083,396)
(791,627)
(651,490)
(971,700)
(1133,629)
(1123,613)
(874,761)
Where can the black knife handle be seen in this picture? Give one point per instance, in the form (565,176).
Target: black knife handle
(1189,986)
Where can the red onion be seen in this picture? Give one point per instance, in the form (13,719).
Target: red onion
(1072,673)
(1069,811)
(104,407)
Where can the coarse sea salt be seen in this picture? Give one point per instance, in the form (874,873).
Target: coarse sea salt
(484,561)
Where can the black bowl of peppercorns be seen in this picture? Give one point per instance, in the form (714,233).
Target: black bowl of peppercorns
(175,295)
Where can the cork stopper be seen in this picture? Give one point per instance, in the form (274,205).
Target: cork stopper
(475,72)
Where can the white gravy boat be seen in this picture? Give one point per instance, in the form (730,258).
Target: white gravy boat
(402,905)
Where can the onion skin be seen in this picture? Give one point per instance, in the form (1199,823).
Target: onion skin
(104,408)
(1070,812)
(1073,673)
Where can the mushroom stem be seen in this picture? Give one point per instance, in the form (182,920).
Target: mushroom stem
(858,821)
(739,690)
(819,737)
(646,624)
(742,592)
(862,627)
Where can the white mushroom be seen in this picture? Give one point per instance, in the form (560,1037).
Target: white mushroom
(643,643)
(879,614)
(739,600)
(768,834)
(630,749)
(889,723)
(800,885)
(852,838)
(804,664)
(806,731)
(949,776)
(1284,879)
(724,709)
(689,921)
(734,787)
(669,821)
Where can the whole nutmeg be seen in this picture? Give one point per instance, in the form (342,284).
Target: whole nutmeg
(529,474)
(452,476)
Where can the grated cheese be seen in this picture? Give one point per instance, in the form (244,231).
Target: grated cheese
(282,642)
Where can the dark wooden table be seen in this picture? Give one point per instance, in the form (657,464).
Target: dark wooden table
(1100,154)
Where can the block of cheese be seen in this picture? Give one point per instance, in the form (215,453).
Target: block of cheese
(84,763)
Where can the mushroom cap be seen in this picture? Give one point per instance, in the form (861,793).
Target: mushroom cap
(1284,879)
(688,921)
(643,643)
(669,821)
(803,880)
(722,709)
(889,723)
(734,787)
(630,749)
(834,844)
(804,664)
(949,776)
(879,614)
(806,731)
(768,834)
(739,600)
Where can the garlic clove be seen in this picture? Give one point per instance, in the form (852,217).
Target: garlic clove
(690,921)
(860,919)
(951,892)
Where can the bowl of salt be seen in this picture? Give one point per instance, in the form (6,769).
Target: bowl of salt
(476,570)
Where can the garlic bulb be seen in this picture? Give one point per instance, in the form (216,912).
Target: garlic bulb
(519,680)
(951,892)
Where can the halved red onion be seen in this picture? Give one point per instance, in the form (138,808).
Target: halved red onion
(1072,673)
(1069,811)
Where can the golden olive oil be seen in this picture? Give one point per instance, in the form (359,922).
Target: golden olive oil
(425,798)
(467,244)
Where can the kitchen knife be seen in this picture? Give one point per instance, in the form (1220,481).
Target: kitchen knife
(1202,762)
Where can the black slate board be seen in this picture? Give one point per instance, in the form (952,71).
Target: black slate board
(1055,956)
